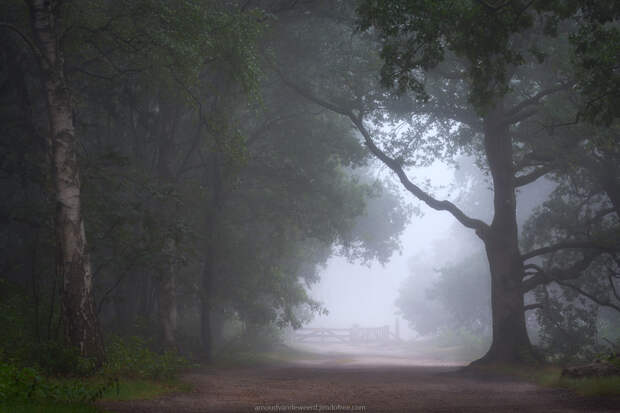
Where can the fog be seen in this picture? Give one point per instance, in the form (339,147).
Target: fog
(364,295)
(203,187)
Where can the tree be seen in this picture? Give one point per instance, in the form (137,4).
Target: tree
(480,80)
(81,328)
(573,285)
(495,42)
(168,67)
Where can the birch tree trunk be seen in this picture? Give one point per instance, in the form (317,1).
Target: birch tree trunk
(81,327)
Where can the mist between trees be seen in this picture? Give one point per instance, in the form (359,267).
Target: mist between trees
(183,171)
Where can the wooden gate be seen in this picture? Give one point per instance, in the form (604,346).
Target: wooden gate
(354,335)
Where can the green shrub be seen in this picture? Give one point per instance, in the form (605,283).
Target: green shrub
(56,359)
(132,357)
(26,384)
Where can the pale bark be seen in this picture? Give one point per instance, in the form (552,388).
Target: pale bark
(81,327)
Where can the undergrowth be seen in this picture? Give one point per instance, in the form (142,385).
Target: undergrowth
(551,376)
(133,370)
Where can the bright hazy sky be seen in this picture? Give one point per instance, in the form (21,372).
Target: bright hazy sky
(358,294)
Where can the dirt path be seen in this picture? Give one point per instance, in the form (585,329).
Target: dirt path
(374,385)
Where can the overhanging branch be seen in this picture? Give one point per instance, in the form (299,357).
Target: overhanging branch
(590,245)
(591,297)
(395,165)
(535,99)
(544,277)
(522,180)
(31,45)
(476,224)
(494,7)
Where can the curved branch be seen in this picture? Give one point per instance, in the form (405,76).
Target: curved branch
(33,47)
(395,165)
(476,224)
(614,290)
(522,180)
(535,99)
(591,297)
(568,245)
(543,277)
(494,7)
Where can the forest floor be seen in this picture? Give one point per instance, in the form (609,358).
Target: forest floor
(362,383)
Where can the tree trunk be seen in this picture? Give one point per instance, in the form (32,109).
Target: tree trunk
(611,187)
(168,301)
(206,294)
(510,343)
(81,327)
(167,123)
(206,336)
(214,180)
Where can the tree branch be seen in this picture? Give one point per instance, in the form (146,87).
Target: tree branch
(476,224)
(535,99)
(613,286)
(395,165)
(523,180)
(568,245)
(591,297)
(559,274)
(518,117)
(33,47)
(494,7)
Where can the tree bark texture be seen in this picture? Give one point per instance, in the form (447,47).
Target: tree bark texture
(206,336)
(510,341)
(168,299)
(81,327)
(167,282)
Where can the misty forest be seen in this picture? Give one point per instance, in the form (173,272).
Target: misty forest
(309,205)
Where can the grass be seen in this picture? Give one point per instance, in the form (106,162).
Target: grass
(140,389)
(128,389)
(48,408)
(551,376)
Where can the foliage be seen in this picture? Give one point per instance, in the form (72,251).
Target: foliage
(56,359)
(21,346)
(14,316)
(189,135)
(551,376)
(597,44)
(568,327)
(457,300)
(131,357)
(419,34)
(164,43)
(21,384)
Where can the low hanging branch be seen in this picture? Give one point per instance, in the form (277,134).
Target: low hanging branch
(544,277)
(568,245)
(533,306)
(525,179)
(534,100)
(602,302)
(395,165)
(31,45)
